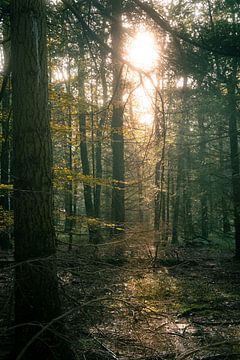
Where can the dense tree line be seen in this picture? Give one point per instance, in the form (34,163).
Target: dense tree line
(71,136)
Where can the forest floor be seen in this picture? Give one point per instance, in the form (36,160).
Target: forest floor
(185,307)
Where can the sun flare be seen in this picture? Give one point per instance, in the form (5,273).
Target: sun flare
(142,52)
(144,103)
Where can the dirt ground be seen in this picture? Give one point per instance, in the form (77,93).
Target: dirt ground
(119,306)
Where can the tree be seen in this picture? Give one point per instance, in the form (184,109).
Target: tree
(118,207)
(234,151)
(5,143)
(37,300)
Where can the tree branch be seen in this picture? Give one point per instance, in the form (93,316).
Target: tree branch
(233,51)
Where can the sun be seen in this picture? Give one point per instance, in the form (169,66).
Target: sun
(141,50)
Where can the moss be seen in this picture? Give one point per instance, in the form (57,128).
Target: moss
(186,310)
(153,288)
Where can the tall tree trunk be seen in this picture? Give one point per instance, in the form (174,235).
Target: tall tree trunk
(99,170)
(187,188)
(118,199)
(69,221)
(203,179)
(168,202)
(93,231)
(5,145)
(176,205)
(180,165)
(157,199)
(234,154)
(36,289)
(158,167)
(160,144)
(98,148)
(163,225)
(140,194)
(225,212)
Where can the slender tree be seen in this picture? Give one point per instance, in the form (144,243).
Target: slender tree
(234,151)
(118,206)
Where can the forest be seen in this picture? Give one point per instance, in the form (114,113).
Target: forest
(119,180)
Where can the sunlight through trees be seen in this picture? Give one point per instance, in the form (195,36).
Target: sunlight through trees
(119,179)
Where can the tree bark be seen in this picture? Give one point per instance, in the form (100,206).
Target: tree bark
(68,198)
(5,145)
(36,289)
(226,227)
(98,149)
(203,180)
(94,234)
(176,207)
(118,201)
(234,154)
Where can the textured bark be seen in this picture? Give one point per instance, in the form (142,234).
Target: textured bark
(118,201)
(5,144)
(36,289)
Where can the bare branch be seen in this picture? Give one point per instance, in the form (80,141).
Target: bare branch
(232,51)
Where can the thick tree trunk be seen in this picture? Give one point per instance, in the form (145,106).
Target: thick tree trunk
(5,145)
(36,289)
(118,203)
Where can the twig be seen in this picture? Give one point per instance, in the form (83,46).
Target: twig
(194,351)
(60,317)
(104,347)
